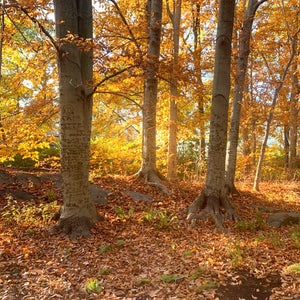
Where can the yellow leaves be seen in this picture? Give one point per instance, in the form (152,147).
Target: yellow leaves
(115,155)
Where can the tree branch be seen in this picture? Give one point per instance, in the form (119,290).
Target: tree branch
(171,16)
(122,118)
(127,25)
(33,19)
(112,76)
(120,95)
(17,27)
(259,3)
(43,29)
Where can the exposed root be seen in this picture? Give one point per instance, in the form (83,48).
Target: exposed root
(153,178)
(74,227)
(159,186)
(218,209)
(198,203)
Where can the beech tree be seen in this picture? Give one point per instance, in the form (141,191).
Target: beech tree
(148,169)
(213,197)
(197,53)
(74,31)
(239,88)
(175,17)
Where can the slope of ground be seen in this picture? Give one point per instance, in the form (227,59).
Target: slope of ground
(147,250)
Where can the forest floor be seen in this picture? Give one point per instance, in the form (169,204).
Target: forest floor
(147,250)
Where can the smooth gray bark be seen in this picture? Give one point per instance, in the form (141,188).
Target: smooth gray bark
(197,53)
(148,169)
(175,17)
(213,195)
(238,94)
(75,65)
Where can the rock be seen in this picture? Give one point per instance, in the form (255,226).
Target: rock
(136,196)
(25,178)
(5,177)
(283,218)
(99,194)
(57,178)
(20,194)
(265,209)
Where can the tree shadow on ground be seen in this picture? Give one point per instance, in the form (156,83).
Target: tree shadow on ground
(245,286)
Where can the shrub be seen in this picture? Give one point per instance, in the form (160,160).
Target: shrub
(93,286)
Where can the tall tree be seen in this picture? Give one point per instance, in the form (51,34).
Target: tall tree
(294,110)
(270,118)
(213,197)
(74,31)
(239,88)
(175,18)
(148,169)
(197,53)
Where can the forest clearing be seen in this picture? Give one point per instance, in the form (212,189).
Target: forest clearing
(148,250)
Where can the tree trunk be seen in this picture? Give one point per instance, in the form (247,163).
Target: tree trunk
(286,140)
(75,64)
(246,149)
(293,124)
(148,169)
(239,88)
(269,120)
(172,145)
(197,53)
(253,148)
(213,195)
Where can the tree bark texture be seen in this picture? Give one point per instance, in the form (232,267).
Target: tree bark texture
(239,88)
(213,197)
(294,111)
(148,169)
(75,64)
(253,144)
(172,139)
(197,53)
(286,143)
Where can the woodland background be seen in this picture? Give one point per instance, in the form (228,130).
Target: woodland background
(29,93)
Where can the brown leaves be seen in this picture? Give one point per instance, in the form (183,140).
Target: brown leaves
(128,256)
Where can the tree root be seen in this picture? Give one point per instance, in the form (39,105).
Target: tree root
(219,209)
(75,227)
(231,190)
(153,178)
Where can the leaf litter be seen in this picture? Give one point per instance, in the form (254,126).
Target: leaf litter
(128,257)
